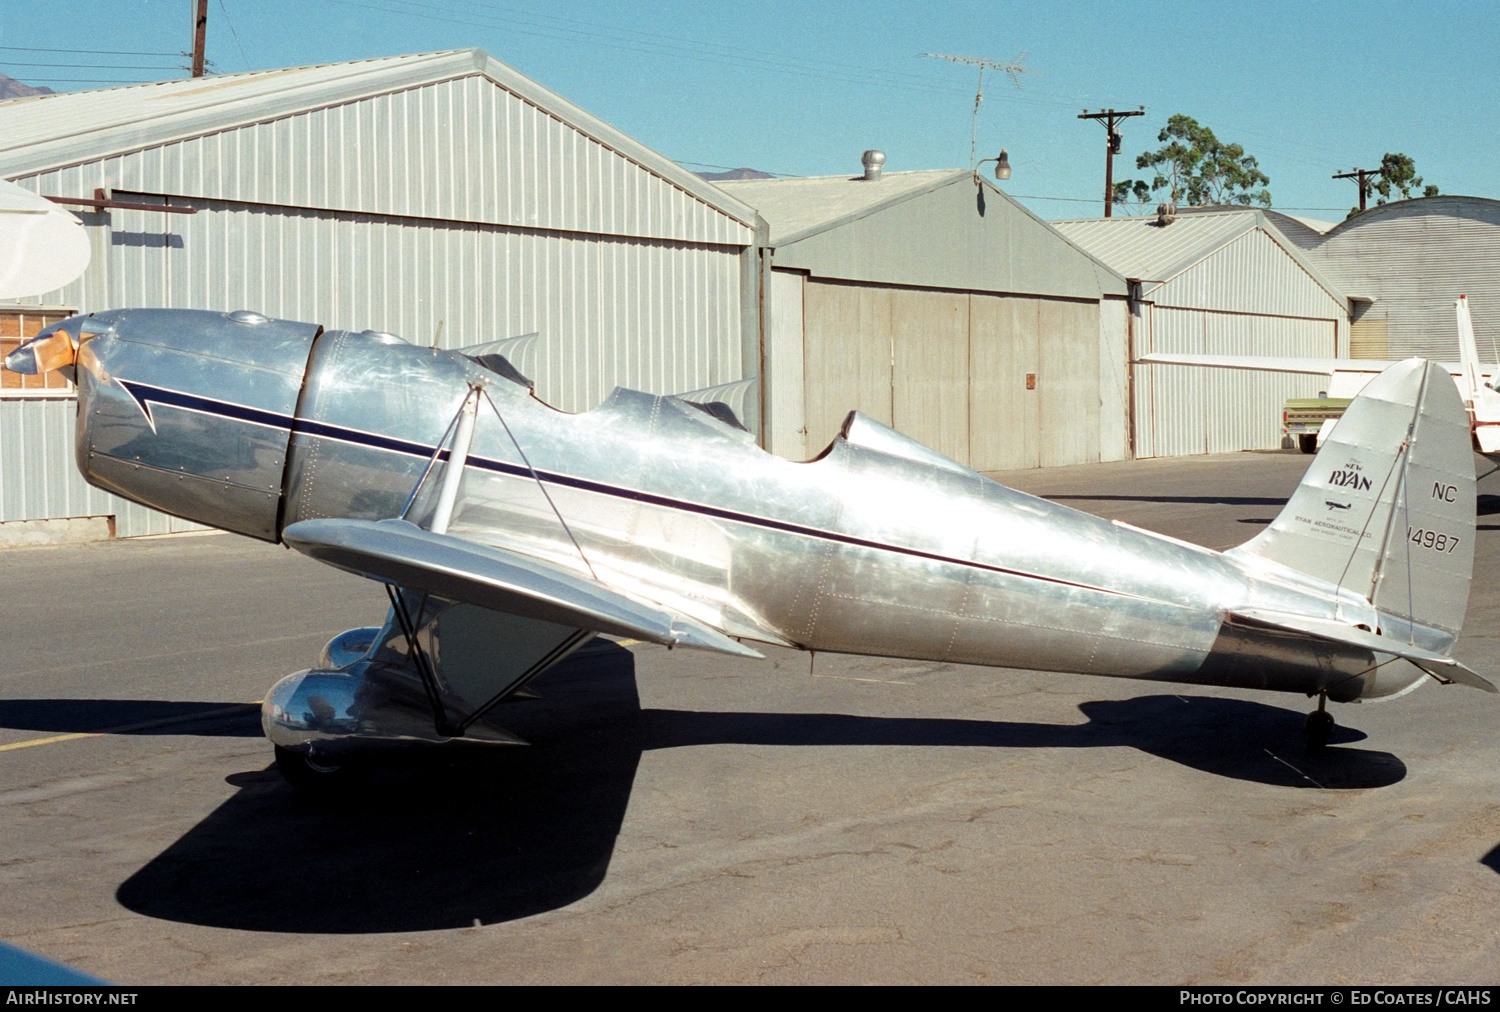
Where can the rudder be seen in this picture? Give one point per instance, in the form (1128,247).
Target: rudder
(1386,509)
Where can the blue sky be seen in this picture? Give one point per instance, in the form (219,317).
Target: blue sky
(803,88)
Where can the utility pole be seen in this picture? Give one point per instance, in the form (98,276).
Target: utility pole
(1111,120)
(1364,176)
(200,37)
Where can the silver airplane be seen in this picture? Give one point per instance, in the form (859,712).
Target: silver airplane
(508,533)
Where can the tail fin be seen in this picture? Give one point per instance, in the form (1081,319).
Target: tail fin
(1386,509)
(1468,348)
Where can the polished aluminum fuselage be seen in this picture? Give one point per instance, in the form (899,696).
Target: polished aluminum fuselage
(876,547)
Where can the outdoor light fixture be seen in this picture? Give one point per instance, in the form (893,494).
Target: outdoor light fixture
(1002,165)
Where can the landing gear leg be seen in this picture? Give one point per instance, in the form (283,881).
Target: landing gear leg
(319,779)
(1319,726)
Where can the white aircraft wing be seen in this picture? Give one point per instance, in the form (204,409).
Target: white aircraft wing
(42,247)
(403,554)
(1273,363)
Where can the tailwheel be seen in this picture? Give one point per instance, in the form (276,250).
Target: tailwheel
(1319,726)
(320,779)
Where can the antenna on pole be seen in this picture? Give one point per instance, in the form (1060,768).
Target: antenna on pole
(1013,68)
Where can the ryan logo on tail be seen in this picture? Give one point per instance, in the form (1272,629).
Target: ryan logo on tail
(507,533)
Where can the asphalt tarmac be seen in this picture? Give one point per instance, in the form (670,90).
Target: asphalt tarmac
(684,817)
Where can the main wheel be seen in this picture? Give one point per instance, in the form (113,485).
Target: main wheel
(1319,728)
(1308,443)
(319,779)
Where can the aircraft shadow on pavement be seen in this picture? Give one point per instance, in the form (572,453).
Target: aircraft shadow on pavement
(1233,738)
(513,832)
(1492,860)
(131,716)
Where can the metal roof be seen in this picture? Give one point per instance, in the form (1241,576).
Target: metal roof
(1413,258)
(797,208)
(1305,232)
(44,132)
(1143,250)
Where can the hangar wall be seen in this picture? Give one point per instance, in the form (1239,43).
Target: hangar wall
(1247,298)
(1218,282)
(1407,262)
(443,198)
(651,314)
(935,303)
(950,369)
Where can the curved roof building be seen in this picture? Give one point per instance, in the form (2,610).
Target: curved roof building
(1403,264)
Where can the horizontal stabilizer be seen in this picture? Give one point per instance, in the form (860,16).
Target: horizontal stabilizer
(401,553)
(1440,666)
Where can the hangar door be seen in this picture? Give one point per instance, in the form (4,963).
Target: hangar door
(1183,410)
(992,381)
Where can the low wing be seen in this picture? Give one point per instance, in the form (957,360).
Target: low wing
(400,553)
(1440,666)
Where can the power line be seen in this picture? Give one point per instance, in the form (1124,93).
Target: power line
(87,80)
(93,52)
(780,64)
(82,66)
(655,44)
(590,29)
(235,34)
(731,168)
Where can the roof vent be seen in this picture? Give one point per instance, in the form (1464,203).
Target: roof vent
(872,161)
(1166,214)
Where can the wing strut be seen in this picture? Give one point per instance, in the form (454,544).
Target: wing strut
(419,658)
(441,722)
(545,494)
(437,453)
(458,459)
(557,653)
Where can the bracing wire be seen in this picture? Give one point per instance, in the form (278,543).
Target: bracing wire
(437,451)
(539,484)
(1400,456)
(1411,437)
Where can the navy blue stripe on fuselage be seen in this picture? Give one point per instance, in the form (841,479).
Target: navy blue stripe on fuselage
(144,393)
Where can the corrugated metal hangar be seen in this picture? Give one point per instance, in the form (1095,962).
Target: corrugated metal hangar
(1223,282)
(447,198)
(1403,265)
(443,197)
(934,303)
